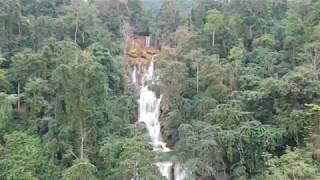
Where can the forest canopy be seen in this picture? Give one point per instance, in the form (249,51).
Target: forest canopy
(239,79)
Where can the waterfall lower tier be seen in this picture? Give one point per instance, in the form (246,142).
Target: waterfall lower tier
(149,113)
(165,169)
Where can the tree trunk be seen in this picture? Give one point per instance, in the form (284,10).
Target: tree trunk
(19,27)
(315,63)
(82,139)
(18,106)
(77,27)
(83,37)
(82,148)
(197,77)
(213,39)
(317,59)
(197,73)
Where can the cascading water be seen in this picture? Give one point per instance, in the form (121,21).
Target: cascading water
(149,113)
(133,75)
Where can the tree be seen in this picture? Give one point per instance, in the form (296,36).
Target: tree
(128,158)
(214,22)
(112,14)
(171,74)
(81,102)
(196,58)
(313,54)
(297,125)
(254,17)
(236,57)
(199,151)
(79,20)
(80,170)
(264,61)
(15,27)
(6,111)
(20,157)
(168,21)
(112,67)
(200,9)
(292,165)
(266,41)
(213,75)
(140,18)
(4,83)
(42,29)
(36,91)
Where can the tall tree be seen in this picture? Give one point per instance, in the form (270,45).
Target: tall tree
(79,20)
(128,158)
(214,22)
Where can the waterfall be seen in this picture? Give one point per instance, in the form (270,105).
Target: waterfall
(149,113)
(134,75)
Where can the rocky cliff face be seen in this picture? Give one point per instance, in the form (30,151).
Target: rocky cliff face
(139,55)
(125,2)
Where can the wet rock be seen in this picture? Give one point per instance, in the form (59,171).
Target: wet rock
(155,88)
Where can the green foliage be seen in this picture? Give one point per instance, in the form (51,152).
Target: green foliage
(112,67)
(297,124)
(236,53)
(111,14)
(214,21)
(4,83)
(126,158)
(266,41)
(79,20)
(20,157)
(80,170)
(199,151)
(292,165)
(236,89)
(6,111)
(140,18)
(76,85)
(2,59)
(172,74)
(167,21)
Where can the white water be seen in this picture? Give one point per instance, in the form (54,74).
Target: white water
(134,75)
(149,112)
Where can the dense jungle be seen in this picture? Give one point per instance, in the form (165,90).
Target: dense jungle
(159,89)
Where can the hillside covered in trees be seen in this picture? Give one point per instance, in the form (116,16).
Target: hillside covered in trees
(239,83)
